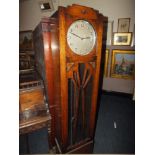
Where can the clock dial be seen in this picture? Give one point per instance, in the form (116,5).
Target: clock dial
(81,37)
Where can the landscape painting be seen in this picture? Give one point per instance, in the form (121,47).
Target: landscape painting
(122,38)
(123,64)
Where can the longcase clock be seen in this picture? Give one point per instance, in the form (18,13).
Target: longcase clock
(68,56)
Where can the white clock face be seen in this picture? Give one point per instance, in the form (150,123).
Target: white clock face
(81,37)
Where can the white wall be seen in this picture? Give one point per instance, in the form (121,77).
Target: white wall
(30,16)
(30,13)
(114,9)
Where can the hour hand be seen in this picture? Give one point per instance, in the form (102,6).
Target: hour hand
(76,35)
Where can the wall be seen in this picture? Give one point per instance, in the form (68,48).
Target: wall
(30,16)
(114,9)
(30,13)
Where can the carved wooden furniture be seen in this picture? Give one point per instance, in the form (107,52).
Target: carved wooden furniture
(33,112)
(68,58)
(26,61)
(33,107)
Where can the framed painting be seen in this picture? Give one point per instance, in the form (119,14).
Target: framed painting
(123,25)
(106,63)
(133,37)
(123,64)
(25,40)
(122,38)
(107,38)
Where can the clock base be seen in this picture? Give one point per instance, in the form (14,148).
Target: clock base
(81,148)
(86,148)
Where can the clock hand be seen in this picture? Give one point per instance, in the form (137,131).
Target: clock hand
(76,35)
(79,36)
(86,38)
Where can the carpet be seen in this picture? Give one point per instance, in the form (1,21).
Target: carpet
(115,131)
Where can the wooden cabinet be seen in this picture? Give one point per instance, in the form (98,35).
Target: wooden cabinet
(26,61)
(71,74)
(33,106)
(33,112)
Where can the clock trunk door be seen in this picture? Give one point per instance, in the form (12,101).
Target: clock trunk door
(80,89)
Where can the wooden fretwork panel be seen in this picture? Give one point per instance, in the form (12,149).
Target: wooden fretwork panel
(80,80)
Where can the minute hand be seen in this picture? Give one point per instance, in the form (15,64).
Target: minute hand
(76,35)
(86,38)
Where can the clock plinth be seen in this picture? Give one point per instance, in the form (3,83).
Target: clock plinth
(69,61)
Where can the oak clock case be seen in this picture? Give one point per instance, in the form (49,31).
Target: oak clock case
(79,72)
(68,56)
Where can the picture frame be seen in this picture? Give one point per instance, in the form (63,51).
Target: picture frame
(133,37)
(122,38)
(123,25)
(123,64)
(25,40)
(107,37)
(106,60)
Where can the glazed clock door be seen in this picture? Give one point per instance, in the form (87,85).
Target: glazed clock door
(81,37)
(80,57)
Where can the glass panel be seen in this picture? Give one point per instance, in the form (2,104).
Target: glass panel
(79,102)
